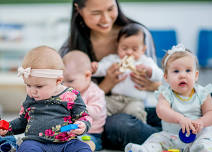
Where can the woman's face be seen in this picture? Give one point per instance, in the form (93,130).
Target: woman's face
(99,15)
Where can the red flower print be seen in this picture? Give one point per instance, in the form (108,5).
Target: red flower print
(27,116)
(75,91)
(62,136)
(49,132)
(68,96)
(21,111)
(84,114)
(83,118)
(67,118)
(70,105)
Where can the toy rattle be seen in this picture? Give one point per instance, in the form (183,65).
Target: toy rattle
(68,127)
(4,125)
(87,139)
(127,63)
(184,137)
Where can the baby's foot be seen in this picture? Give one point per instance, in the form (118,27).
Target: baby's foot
(130,147)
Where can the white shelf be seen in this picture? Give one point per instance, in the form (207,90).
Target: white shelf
(26,46)
(10,79)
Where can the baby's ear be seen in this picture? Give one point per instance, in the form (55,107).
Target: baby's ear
(59,80)
(88,74)
(165,77)
(196,75)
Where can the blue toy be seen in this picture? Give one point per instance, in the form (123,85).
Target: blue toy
(68,127)
(187,138)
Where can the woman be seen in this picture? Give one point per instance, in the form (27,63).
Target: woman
(94,28)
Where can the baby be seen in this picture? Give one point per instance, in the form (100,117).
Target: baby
(182,105)
(77,74)
(48,107)
(126,98)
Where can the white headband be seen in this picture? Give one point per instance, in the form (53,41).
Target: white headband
(46,73)
(177,48)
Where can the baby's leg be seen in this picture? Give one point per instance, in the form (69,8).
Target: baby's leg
(136,108)
(156,143)
(203,143)
(115,104)
(76,146)
(31,146)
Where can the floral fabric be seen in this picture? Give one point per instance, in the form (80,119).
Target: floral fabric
(42,120)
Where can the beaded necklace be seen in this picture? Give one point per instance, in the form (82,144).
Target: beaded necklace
(185,99)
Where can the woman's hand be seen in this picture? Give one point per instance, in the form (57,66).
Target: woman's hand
(80,130)
(141,79)
(112,78)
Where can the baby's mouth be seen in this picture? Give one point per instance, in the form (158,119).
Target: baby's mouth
(182,84)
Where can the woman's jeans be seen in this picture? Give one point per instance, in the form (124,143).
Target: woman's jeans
(121,129)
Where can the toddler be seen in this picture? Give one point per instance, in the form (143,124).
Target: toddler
(77,74)
(183,104)
(126,98)
(48,106)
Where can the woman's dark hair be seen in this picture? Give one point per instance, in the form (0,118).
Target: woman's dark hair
(130,30)
(79,37)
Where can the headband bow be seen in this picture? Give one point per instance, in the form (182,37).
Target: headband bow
(45,73)
(177,48)
(24,72)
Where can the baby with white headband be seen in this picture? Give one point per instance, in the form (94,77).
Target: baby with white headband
(49,106)
(182,105)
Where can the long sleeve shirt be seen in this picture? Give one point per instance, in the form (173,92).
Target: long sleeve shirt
(94,99)
(42,120)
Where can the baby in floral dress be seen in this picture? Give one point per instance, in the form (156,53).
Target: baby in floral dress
(48,106)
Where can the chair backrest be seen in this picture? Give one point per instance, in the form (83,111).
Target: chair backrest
(204,49)
(164,40)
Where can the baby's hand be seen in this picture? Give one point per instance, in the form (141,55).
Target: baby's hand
(3,132)
(81,128)
(198,124)
(94,67)
(186,125)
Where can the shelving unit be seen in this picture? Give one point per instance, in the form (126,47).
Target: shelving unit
(22,28)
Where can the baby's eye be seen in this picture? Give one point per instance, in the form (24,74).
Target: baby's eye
(70,81)
(176,71)
(124,48)
(188,70)
(39,87)
(28,85)
(135,49)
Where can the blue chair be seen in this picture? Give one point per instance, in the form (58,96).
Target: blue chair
(204,49)
(164,40)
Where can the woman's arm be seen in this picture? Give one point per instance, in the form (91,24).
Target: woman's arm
(143,83)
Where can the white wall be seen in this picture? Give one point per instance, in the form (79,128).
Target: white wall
(185,18)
